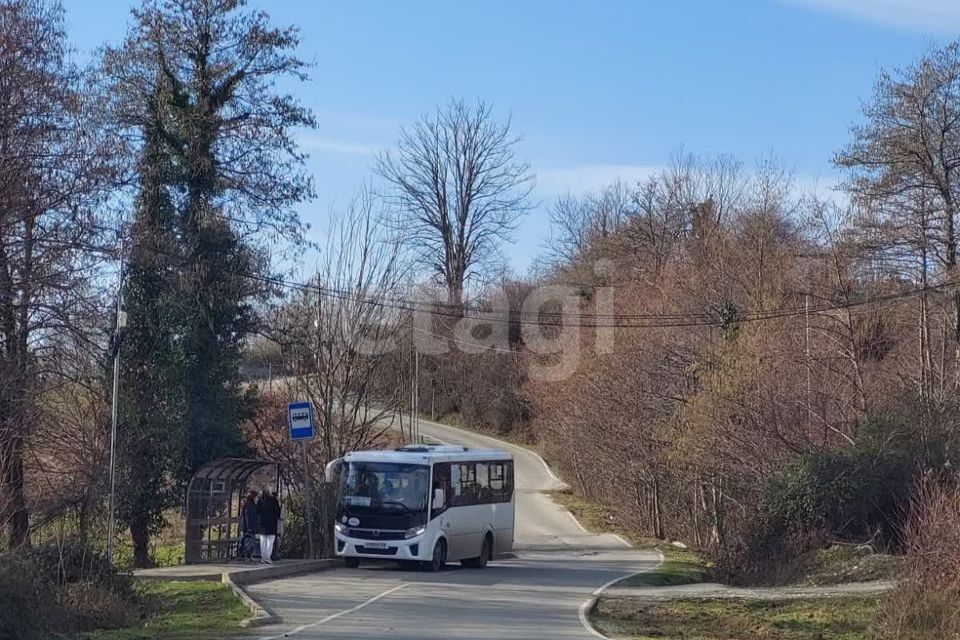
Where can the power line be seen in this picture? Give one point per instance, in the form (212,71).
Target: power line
(622,321)
(548,318)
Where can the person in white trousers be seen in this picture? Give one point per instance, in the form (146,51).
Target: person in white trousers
(268,513)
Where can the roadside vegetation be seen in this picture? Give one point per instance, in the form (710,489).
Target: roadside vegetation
(845,564)
(181,611)
(808,447)
(680,565)
(842,618)
(924,603)
(812,618)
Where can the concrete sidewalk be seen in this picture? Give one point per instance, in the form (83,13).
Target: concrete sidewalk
(240,572)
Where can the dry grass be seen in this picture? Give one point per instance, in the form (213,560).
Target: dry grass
(846,618)
(845,564)
(181,611)
(596,517)
(926,605)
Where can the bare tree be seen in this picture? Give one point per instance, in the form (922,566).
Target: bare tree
(577,221)
(692,180)
(340,332)
(50,171)
(458,188)
(910,145)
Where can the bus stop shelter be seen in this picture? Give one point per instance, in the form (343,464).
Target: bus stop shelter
(214,497)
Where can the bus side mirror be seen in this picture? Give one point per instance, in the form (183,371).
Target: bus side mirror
(438,498)
(332,470)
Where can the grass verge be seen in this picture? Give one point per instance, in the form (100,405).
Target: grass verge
(843,564)
(182,611)
(598,519)
(680,566)
(841,618)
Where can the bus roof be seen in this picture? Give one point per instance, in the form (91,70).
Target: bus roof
(427,454)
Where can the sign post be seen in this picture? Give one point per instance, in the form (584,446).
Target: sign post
(300,421)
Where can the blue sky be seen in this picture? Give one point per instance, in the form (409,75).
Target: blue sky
(599,89)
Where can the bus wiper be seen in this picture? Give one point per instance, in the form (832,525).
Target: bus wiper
(399,504)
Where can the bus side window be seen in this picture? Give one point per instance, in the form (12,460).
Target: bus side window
(468,485)
(441,480)
(497,482)
(508,483)
(483,483)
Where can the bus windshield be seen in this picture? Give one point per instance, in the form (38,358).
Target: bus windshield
(385,487)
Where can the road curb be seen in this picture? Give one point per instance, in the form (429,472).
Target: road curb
(590,604)
(263,615)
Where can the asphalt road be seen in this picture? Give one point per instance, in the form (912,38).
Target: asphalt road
(540,594)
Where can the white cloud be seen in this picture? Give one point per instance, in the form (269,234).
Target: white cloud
(825,190)
(320,144)
(939,16)
(591,177)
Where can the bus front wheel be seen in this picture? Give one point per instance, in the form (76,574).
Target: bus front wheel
(439,558)
(351,562)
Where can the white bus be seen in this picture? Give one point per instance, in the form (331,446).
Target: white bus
(425,504)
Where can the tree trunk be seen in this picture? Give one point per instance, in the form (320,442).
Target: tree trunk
(19,523)
(718,535)
(18,422)
(657,515)
(697,540)
(141,544)
(951,267)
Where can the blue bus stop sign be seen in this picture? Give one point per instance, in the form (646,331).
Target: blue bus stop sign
(300,419)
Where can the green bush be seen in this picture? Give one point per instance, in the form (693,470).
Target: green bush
(88,606)
(74,587)
(926,601)
(71,562)
(848,495)
(21,594)
(293,538)
(857,494)
(861,493)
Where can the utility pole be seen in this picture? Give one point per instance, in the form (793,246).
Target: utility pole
(806,303)
(308,498)
(327,427)
(413,384)
(121,322)
(416,389)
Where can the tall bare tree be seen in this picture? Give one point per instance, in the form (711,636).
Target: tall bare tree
(340,333)
(910,146)
(458,188)
(50,174)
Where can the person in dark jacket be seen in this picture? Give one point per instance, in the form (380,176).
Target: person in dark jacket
(268,514)
(249,525)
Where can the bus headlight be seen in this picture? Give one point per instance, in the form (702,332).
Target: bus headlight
(338,527)
(414,532)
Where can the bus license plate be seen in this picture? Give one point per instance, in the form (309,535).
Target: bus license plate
(375,545)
